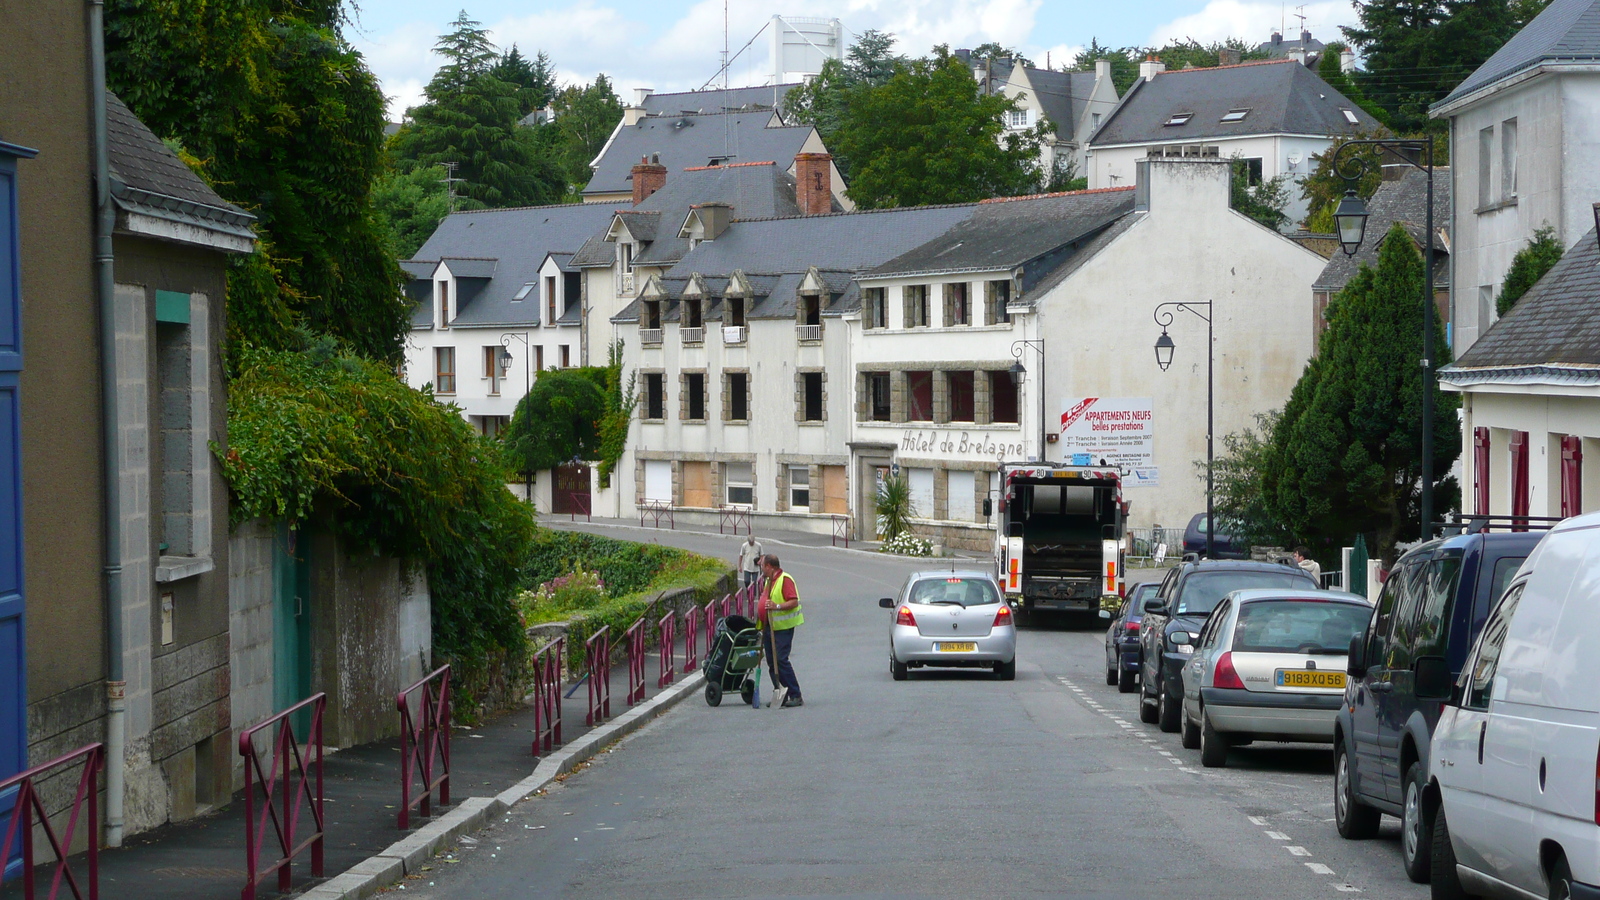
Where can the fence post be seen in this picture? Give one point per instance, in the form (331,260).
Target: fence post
(668,637)
(547,695)
(635,638)
(423,746)
(597,659)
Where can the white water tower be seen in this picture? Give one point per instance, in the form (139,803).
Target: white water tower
(801,44)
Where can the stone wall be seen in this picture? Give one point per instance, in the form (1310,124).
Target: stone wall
(251,592)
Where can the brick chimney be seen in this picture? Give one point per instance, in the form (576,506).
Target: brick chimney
(1227,56)
(649,176)
(813,183)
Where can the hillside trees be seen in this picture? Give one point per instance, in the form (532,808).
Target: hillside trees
(1537,257)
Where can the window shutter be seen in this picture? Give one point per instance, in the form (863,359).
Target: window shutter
(1480,470)
(1571,476)
(1519,477)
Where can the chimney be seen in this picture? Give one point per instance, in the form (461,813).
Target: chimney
(635,112)
(1347,61)
(714,219)
(1151,67)
(1305,39)
(649,176)
(1227,56)
(1102,70)
(1277,37)
(813,183)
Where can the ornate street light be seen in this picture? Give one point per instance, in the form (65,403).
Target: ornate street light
(1019,372)
(1164,348)
(1164,351)
(1350,218)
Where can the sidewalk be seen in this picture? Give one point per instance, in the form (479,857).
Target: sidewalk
(204,859)
(634,531)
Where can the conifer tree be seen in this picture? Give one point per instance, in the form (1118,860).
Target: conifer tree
(1540,255)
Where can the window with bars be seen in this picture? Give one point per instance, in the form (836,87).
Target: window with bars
(919,388)
(444,370)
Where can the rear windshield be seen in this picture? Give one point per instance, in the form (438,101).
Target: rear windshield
(1202,591)
(955,590)
(1298,626)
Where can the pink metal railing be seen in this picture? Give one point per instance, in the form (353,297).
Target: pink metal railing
(580,506)
(635,638)
(691,640)
(287,761)
(597,659)
(709,615)
(734,517)
(841,531)
(668,627)
(657,510)
(547,696)
(28,805)
(425,745)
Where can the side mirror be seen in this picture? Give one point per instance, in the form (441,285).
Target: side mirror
(1356,666)
(1432,680)
(988,507)
(1105,614)
(1179,639)
(1155,607)
(886,602)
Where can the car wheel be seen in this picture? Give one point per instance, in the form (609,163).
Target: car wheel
(1213,746)
(1416,831)
(1007,671)
(1191,733)
(1111,675)
(1167,709)
(1127,681)
(1355,820)
(713,693)
(1147,710)
(898,669)
(1561,880)
(1446,883)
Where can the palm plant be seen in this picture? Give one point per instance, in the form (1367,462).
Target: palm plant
(894,507)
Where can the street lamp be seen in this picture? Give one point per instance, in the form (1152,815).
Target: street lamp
(504,359)
(1019,372)
(1164,351)
(1351,218)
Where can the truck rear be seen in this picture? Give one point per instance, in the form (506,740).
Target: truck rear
(1059,543)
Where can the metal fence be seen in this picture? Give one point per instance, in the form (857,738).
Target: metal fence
(292,778)
(547,696)
(425,744)
(1154,547)
(26,805)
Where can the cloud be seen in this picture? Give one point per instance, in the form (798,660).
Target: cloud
(1254,22)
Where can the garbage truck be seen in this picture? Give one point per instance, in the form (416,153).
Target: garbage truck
(1059,540)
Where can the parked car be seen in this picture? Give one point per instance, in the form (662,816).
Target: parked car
(1187,595)
(1122,639)
(1433,605)
(1223,543)
(951,618)
(1268,665)
(1514,752)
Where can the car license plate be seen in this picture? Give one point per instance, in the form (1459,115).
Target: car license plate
(957,647)
(1310,678)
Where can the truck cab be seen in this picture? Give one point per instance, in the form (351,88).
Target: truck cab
(1058,547)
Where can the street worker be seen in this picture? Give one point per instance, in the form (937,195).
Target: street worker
(780,608)
(750,560)
(1302,558)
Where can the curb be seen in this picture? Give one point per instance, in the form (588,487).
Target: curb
(408,855)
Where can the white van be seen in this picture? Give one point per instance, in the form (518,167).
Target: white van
(1516,754)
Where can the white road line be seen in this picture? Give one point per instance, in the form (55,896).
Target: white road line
(1298,851)
(1277,835)
(1164,752)
(1257,820)
(1346,888)
(1319,868)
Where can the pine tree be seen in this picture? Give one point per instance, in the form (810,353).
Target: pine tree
(1417,51)
(1540,255)
(535,79)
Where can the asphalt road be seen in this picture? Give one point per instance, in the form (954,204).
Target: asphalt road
(947,785)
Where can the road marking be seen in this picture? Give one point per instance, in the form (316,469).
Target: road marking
(1164,752)
(1277,835)
(1257,820)
(1346,888)
(1319,868)
(1298,851)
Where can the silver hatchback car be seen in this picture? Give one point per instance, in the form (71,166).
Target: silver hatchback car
(951,618)
(1268,664)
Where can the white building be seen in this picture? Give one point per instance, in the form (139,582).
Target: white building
(1525,153)
(1275,114)
(1074,103)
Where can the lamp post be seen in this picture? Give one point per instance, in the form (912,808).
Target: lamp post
(504,360)
(1350,217)
(1019,374)
(1164,350)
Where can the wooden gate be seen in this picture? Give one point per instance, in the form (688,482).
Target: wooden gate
(570,490)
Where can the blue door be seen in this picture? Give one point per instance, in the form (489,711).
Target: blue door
(13,663)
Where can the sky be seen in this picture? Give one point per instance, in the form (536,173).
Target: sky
(674,45)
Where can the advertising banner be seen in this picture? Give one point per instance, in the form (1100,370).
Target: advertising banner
(1117,430)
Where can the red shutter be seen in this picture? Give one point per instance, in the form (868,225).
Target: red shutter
(1571,475)
(1519,477)
(1480,470)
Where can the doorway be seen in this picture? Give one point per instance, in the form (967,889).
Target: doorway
(570,490)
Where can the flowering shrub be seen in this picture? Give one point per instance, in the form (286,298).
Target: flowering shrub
(578,590)
(907,544)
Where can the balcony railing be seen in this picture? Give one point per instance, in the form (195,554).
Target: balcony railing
(650,337)
(808,332)
(733,334)
(692,335)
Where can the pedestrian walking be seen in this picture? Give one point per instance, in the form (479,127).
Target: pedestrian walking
(750,560)
(1302,558)
(780,608)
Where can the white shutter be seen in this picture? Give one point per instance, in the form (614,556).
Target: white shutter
(658,480)
(962,507)
(921,482)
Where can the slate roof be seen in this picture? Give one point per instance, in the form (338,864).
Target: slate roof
(1404,201)
(641,223)
(1061,95)
(687,141)
(1279,48)
(1552,334)
(563,261)
(717,100)
(148,178)
(1567,30)
(505,245)
(1283,97)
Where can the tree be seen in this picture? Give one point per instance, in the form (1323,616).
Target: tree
(1345,453)
(1539,256)
(1124,64)
(926,136)
(1417,51)
(557,421)
(1330,68)
(413,204)
(1175,54)
(535,80)
(585,116)
(1239,473)
(991,50)
(1264,200)
(1323,187)
(824,100)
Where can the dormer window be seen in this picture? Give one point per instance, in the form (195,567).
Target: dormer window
(811,310)
(524,291)
(1350,116)
(625,256)
(1180,119)
(733,312)
(691,314)
(444,304)
(1235,115)
(652,314)
(718,161)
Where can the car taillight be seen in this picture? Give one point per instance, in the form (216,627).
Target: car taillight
(1002,617)
(1225,676)
(904,617)
(1131,627)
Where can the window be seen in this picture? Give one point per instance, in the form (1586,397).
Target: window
(1018,118)
(1350,116)
(566,356)
(1508,159)
(1485,307)
(655,396)
(1520,499)
(1298,626)
(691,314)
(1253,172)
(736,402)
(998,294)
(694,391)
(491,368)
(741,481)
(811,396)
(954,590)
(1412,591)
(955,305)
(523,292)
(444,304)
(652,314)
(538,358)
(878,403)
(1002,398)
(571,290)
(963,403)
(658,480)
(1180,118)
(921,483)
(1236,115)
(919,387)
(874,312)
(1383,614)
(799,487)
(1094,120)
(1485,164)
(1480,686)
(961,493)
(810,310)
(1438,586)
(550,314)
(444,370)
(915,313)
(733,315)
(492,426)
